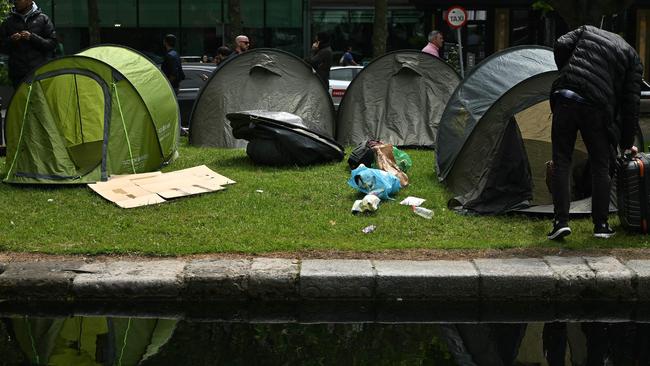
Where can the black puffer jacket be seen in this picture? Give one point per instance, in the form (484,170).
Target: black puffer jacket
(24,55)
(603,68)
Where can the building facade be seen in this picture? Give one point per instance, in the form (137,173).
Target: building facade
(203,25)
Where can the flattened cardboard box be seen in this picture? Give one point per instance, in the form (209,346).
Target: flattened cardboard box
(135,190)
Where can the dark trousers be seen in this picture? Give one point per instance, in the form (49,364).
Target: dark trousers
(569,117)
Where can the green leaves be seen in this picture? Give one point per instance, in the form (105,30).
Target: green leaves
(5,7)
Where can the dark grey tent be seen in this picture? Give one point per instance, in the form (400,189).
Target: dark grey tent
(398,98)
(260,79)
(494,136)
(280,138)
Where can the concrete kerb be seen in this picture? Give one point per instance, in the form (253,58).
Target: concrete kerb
(38,280)
(548,279)
(121,279)
(434,280)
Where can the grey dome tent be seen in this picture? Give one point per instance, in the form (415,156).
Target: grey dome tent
(281,138)
(398,98)
(260,79)
(494,136)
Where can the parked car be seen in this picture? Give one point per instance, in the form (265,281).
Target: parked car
(340,78)
(196,74)
(191,59)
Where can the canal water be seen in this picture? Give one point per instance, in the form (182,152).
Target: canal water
(122,340)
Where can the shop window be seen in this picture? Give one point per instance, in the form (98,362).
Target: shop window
(274,23)
(520,29)
(71,13)
(475,49)
(203,13)
(284,13)
(346,28)
(117,13)
(252,13)
(406,29)
(158,13)
(475,15)
(354,28)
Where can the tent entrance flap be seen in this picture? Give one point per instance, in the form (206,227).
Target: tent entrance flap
(535,126)
(78,107)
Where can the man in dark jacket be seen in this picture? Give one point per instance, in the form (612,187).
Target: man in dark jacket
(171,65)
(28,37)
(597,93)
(321,57)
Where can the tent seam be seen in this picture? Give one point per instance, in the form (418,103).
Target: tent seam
(22,128)
(126,133)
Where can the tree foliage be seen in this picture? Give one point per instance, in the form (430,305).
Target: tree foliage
(542,5)
(5,7)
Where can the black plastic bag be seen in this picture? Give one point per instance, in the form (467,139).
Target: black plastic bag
(363,154)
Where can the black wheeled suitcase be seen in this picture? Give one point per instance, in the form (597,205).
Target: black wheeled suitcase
(633,191)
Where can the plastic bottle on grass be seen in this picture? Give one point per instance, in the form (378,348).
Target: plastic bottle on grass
(424,212)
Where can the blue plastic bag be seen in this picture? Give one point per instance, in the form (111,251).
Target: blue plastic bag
(374,181)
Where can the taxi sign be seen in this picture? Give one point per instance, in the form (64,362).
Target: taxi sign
(456,17)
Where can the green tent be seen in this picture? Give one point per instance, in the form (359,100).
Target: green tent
(91,341)
(79,119)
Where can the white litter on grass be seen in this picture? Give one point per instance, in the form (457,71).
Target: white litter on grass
(259,191)
(369,229)
(369,203)
(412,201)
(50,200)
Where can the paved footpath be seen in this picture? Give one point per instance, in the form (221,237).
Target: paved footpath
(315,291)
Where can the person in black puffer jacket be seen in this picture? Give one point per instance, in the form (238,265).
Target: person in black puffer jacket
(28,37)
(597,93)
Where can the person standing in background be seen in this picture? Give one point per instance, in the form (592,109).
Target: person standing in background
(347,59)
(436,41)
(223,53)
(28,37)
(321,57)
(171,65)
(242,44)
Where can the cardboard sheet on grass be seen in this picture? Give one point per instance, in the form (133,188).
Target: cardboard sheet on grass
(135,190)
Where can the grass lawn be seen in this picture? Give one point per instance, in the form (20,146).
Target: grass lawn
(299,209)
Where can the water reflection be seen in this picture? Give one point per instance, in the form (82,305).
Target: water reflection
(140,341)
(83,340)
